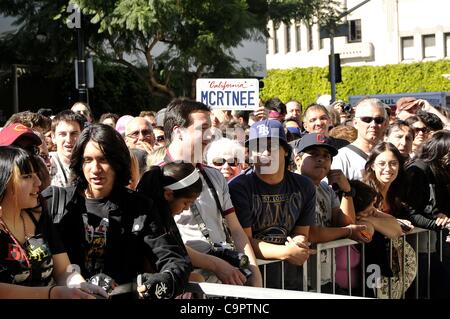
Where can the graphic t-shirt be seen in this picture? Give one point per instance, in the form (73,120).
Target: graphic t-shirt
(273,211)
(59,172)
(96,225)
(30,263)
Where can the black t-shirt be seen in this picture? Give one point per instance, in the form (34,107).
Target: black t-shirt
(273,211)
(31,263)
(96,225)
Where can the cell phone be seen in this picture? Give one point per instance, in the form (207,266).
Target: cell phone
(406,228)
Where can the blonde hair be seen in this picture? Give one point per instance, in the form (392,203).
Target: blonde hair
(156,156)
(135,174)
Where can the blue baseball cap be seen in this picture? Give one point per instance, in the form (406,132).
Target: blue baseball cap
(267,129)
(294,130)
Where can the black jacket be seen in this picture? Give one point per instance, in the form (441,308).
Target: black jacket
(425,196)
(136,237)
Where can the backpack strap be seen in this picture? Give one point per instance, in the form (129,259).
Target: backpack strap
(358,151)
(57,204)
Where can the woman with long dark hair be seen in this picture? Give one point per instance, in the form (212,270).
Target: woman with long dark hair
(384,172)
(428,193)
(33,261)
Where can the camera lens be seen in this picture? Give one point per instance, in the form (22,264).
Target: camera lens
(243,261)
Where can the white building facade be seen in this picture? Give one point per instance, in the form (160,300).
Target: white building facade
(379,32)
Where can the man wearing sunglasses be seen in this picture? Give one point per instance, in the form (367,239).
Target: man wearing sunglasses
(370,121)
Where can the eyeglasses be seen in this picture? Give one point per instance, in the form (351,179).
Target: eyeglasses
(160,138)
(145,133)
(220,161)
(421,129)
(391,164)
(368,119)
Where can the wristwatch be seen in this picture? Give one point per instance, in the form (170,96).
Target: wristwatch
(350,193)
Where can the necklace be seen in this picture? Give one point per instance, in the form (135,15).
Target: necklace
(25,233)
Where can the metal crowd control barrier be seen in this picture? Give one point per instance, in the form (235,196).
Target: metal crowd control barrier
(347,243)
(233,291)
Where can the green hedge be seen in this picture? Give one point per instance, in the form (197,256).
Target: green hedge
(306,84)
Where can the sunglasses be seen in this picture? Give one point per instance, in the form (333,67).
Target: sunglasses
(160,138)
(145,133)
(220,161)
(421,129)
(369,119)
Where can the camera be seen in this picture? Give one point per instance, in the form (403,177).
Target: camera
(346,108)
(226,252)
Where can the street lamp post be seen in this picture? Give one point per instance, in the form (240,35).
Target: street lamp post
(75,21)
(81,64)
(332,59)
(332,68)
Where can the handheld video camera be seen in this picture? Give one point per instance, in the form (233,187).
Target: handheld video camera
(347,108)
(226,252)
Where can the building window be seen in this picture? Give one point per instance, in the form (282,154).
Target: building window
(354,30)
(407,48)
(288,39)
(275,41)
(429,46)
(447,44)
(310,38)
(298,36)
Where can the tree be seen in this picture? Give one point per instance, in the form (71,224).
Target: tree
(177,41)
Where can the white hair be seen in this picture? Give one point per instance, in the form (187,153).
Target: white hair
(370,102)
(225,147)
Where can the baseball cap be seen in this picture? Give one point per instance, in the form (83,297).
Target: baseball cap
(266,129)
(405,103)
(315,139)
(294,130)
(13,132)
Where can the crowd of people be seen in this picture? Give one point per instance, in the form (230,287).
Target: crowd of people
(187,193)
